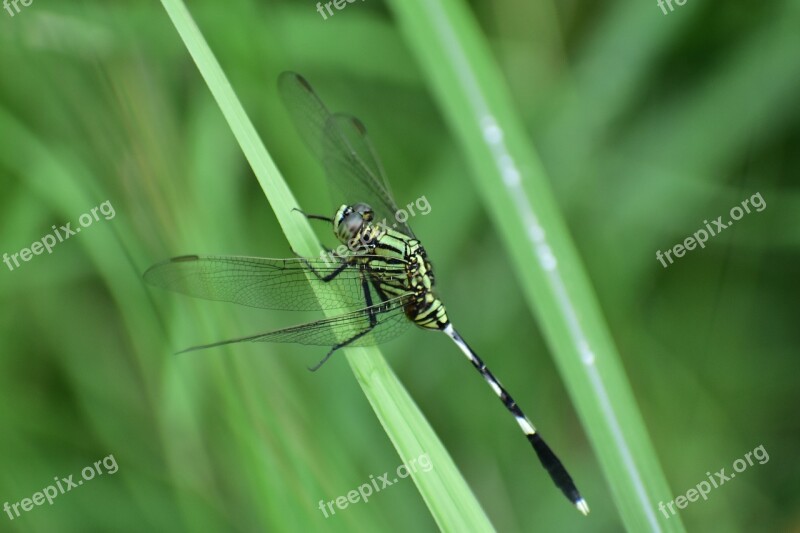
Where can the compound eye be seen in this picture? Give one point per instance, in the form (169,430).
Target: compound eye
(364,210)
(353,222)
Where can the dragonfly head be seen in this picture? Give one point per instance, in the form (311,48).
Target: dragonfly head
(349,219)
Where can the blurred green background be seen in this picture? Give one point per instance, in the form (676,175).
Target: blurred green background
(647,123)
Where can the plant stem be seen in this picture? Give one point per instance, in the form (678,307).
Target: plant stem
(444,490)
(470,90)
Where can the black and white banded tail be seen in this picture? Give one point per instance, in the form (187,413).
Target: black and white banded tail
(549,460)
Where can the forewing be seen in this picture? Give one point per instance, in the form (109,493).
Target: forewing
(284,284)
(341,144)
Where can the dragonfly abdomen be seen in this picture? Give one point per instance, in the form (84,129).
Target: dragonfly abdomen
(427,310)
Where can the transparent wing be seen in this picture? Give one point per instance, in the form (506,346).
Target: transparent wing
(284,284)
(365,327)
(341,144)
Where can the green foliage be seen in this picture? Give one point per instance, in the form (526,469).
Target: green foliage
(646,124)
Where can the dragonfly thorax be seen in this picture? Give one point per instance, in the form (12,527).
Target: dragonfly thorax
(381,251)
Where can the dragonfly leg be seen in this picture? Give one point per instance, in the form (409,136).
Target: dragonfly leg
(313,217)
(342,345)
(373,321)
(326,278)
(378,289)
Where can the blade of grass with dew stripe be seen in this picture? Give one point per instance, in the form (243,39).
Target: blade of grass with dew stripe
(444,490)
(469,88)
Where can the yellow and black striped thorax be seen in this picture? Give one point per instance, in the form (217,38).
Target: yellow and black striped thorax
(399,265)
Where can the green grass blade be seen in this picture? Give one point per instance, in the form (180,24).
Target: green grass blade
(445,492)
(470,90)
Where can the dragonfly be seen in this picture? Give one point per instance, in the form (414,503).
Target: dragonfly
(382,283)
